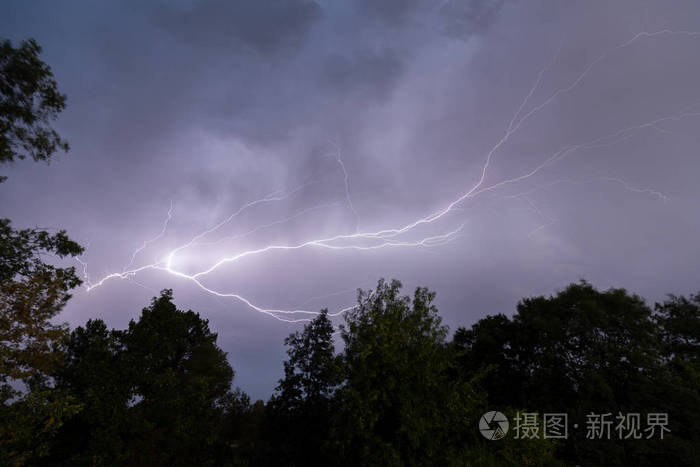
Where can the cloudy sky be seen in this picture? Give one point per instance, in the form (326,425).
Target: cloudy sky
(334,118)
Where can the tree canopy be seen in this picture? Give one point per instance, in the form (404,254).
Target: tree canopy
(394,389)
(32,292)
(29,102)
(154,393)
(587,351)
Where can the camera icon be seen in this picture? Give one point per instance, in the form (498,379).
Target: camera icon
(493,425)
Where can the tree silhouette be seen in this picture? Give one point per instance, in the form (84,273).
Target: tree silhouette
(179,375)
(154,394)
(585,351)
(301,411)
(29,101)
(32,293)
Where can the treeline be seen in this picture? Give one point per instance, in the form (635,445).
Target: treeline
(398,391)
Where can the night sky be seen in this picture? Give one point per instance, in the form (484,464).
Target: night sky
(353,118)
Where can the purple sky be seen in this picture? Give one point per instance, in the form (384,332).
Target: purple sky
(212,104)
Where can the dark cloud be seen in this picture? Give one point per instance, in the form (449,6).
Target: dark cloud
(464,18)
(389,11)
(266,27)
(367,72)
(460,19)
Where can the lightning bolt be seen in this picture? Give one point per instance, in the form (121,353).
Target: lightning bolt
(154,239)
(346,180)
(395,237)
(626,185)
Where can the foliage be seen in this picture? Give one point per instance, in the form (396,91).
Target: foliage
(679,321)
(586,351)
(28,426)
(154,394)
(29,101)
(179,374)
(312,370)
(398,393)
(399,405)
(32,293)
(302,407)
(94,372)
(678,384)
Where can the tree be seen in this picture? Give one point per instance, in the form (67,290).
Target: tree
(242,425)
(95,373)
(678,319)
(679,322)
(302,407)
(156,393)
(311,373)
(180,377)
(29,101)
(399,404)
(584,351)
(32,292)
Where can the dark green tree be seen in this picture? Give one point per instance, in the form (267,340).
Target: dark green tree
(242,424)
(679,322)
(312,370)
(678,386)
(578,352)
(94,372)
(156,393)
(29,102)
(399,404)
(179,378)
(301,411)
